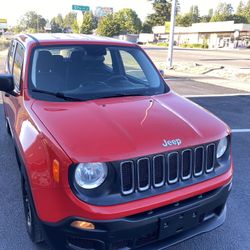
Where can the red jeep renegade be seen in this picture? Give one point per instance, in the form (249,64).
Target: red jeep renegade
(110,157)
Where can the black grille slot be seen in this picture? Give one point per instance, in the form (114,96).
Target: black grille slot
(210,158)
(186,164)
(199,161)
(158,170)
(143,168)
(173,167)
(127,174)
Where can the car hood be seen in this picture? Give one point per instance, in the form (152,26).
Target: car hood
(122,128)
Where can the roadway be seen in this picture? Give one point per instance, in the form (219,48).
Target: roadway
(233,58)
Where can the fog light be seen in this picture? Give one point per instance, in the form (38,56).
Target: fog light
(83,225)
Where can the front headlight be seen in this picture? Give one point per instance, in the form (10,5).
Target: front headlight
(222,147)
(90,175)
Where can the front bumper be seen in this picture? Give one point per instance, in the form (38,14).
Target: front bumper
(155,229)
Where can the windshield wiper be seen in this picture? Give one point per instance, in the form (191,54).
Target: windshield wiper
(57,94)
(121,95)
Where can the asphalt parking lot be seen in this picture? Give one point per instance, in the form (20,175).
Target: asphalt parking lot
(234,234)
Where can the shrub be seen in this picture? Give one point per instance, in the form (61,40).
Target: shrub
(4,44)
(163,44)
(194,45)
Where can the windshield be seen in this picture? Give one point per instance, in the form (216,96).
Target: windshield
(92,71)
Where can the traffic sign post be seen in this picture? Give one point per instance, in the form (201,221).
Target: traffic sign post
(171,36)
(80,7)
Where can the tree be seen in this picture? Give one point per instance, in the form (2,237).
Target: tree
(75,27)
(238,19)
(162,13)
(243,11)
(129,21)
(210,13)
(17,29)
(184,20)
(224,9)
(195,13)
(69,20)
(32,21)
(247,11)
(108,26)
(146,28)
(87,23)
(194,9)
(193,16)
(207,18)
(57,24)
(223,12)
(178,7)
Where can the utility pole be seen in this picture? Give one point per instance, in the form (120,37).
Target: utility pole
(171,35)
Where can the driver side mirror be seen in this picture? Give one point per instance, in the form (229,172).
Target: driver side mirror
(6,83)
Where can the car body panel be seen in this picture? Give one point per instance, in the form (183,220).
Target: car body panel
(127,127)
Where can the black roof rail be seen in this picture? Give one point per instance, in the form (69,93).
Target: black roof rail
(32,37)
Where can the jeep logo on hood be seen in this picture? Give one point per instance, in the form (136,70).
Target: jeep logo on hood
(175,142)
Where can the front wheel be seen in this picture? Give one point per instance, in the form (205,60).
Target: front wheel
(32,223)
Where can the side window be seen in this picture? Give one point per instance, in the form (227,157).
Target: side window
(131,66)
(11,55)
(18,63)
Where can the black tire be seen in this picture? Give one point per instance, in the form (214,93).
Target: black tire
(32,223)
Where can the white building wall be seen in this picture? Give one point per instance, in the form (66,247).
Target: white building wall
(216,34)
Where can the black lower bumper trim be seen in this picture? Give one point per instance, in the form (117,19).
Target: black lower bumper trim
(154,229)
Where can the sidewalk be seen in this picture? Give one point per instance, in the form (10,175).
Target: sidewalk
(237,85)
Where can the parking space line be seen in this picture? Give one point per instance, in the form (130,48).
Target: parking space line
(241,130)
(218,95)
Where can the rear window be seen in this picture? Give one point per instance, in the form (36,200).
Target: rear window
(94,71)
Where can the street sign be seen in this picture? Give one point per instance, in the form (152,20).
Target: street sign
(3,20)
(103,11)
(80,7)
(3,23)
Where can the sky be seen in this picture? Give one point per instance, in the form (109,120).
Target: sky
(14,9)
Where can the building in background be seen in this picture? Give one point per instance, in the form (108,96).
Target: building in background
(103,11)
(3,25)
(216,34)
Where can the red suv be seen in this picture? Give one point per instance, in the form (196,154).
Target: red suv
(110,157)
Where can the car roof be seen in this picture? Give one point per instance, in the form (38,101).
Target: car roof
(67,38)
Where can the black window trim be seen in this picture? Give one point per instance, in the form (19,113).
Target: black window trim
(17,89)
(10,69)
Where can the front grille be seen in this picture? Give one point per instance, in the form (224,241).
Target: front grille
(166,169)
(158,170)
(186,163)
(127,177)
